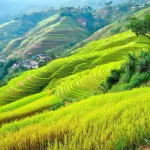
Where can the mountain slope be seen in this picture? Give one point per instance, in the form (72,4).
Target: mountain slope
(111,29)
(54,34)
(61,106)
(21,25)
(92,62)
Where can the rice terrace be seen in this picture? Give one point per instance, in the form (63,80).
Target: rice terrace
(75,75)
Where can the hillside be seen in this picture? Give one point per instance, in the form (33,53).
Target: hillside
(112,29)
(93,96)
(19,26)
(103,54)
(94,20)
(51,90)
(53,34)
(93,120)
(50,38)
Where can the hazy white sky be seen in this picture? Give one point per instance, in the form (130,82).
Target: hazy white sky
(38,1)
(53,1)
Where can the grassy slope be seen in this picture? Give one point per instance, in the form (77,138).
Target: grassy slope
(55,33)
(90,124)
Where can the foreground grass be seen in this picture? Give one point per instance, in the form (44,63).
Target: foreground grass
(23,102)
(29,106)
(90,124)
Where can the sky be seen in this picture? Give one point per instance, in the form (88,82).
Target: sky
(55,2)
(39,2)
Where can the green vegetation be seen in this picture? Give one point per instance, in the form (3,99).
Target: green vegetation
(115,27)
(84,17)
(54,34)
(24,107)
(21,25)
(140,27)
(77,76)
(90,124)
(134,73)
(68,104)
(34,106)
(49,35)
(5,66)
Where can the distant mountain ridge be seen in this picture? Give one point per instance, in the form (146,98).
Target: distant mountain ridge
(20,25)
(11,8)
(58,3)
(53,34)
(93,3)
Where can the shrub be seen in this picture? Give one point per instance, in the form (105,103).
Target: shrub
(115,31)
(143,64)
(138,79)
(111,80)
(133,73)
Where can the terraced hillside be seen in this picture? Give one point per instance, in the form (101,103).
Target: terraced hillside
(53,34)
(40,102)
(111,29)
(5,27)
(20,25)
(77,76)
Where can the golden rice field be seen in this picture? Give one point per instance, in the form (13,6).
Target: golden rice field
(105,122)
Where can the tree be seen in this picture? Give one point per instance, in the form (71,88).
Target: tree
(140,27)
(108,4)
(66,11)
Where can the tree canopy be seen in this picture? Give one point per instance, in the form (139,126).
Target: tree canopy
(140,26)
